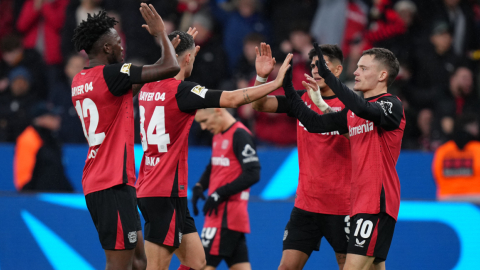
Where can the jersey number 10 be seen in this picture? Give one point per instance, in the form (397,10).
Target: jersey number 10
(157,125)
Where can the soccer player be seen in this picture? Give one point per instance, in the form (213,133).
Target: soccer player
(233,169)
(167,110)
(375,125)
(102,95)
(322,202)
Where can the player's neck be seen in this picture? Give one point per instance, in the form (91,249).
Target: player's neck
(181,75)
(229,121)
(326,92)
(375,92)
(98,62)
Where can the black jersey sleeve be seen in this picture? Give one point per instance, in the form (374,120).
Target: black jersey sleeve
(120,77)
(192,96)
(246,153)
(284,106)
(205,178)
(313,121)
(386,112)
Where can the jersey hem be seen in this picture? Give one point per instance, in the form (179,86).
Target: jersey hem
(104,188)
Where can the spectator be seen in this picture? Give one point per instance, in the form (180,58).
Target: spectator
(462,100)
(237,24)
(433,65)
(285,13)
(14,55)
(38,156)
(210,67)
(61,97)
(245,68)
(14,106)
(41,23)
(460,18)
(427,137)
(76,12)
(456,164)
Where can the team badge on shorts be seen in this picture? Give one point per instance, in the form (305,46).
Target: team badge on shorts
(285,234)
(180,235)
(132,237)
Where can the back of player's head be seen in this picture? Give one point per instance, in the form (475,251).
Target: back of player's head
(91,30)
(332,51)
(386,58)
(186,42)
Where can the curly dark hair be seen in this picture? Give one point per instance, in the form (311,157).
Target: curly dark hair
(89,31)
(186,41)
(386,58)
(332,51)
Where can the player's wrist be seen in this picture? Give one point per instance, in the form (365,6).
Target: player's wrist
(261,78)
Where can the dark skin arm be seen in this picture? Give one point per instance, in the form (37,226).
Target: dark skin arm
(167,66)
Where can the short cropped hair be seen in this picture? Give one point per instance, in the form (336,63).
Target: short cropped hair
(332,51)
(386,58)
(186,41)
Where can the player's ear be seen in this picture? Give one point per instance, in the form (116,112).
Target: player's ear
(383,76)
(338,70)
(107,48)
(187,58)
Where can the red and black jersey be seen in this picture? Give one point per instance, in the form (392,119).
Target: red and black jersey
(167,110)
(102,97)
(323,159)
(233,168)
(375,126)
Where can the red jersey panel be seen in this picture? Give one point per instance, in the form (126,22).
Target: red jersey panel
(107,122)
(325,167)
(164,131)
(167,110)
(226,168)
(375,151)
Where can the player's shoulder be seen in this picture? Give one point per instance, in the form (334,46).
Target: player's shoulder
(187,86)
(390,104)
(242,130)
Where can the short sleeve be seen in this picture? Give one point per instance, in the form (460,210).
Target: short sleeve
(192,96)
(120,77)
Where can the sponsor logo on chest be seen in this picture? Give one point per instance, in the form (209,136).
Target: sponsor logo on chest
(360,129)
(221,161)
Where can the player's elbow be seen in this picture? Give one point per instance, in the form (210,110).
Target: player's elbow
(257,106)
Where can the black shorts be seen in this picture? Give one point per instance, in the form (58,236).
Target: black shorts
(371,235)
(115,215)
(167,219)
(230,245)
(305,230)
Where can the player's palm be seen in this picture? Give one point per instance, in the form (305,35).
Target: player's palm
(154,22)
(283,70)
(264,62)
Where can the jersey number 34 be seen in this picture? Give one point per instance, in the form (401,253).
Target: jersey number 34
(155,134)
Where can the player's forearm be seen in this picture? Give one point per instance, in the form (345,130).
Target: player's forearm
(166,67)
(205,178)
(248,178)
(352,101)
(311,120)
(234,99)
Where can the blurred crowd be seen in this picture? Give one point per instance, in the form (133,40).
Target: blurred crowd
(436,41)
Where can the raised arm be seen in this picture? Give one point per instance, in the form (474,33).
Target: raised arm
(167,66)
(234,99)
(311,120)
(264,65)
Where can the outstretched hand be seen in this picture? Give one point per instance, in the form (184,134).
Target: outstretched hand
(320,63)
(191,31)
(283,70)
(264,62)
(154,22)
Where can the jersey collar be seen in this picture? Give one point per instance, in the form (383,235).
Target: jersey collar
(377,96)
